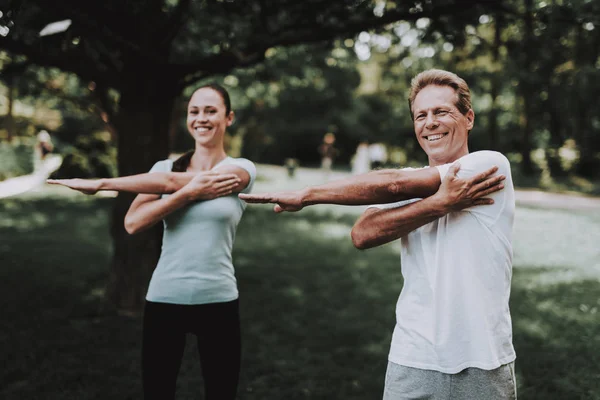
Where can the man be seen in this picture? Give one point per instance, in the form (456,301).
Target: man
(453,335)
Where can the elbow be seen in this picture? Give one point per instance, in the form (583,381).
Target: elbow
(170,184)
(397,186)
(130,226)
(394,182)
(359,239)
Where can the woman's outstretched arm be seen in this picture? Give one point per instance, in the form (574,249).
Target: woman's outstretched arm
(148,183)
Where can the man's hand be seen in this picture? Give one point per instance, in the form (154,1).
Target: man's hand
(284,201)
(86,186)
(210,185)
(457,194)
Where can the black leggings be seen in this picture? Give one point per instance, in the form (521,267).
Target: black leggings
(217,328)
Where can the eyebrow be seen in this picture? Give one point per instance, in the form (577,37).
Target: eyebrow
(417,112)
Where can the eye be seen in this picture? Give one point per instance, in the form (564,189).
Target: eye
(420,117)
(441,112)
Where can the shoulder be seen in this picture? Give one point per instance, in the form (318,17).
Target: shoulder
(162,166)
(476,162)
(484,159)
(243,163)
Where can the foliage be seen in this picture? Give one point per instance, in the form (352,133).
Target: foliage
(92,156)
(16,159)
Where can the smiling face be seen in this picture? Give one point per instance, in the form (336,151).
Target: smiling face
(441,129)
(207,117)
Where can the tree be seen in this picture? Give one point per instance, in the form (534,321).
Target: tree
(148,51)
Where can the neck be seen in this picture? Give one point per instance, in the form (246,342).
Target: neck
(205,159)
(434,162)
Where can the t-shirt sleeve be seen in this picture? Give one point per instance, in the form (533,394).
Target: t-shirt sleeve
(160,166)
(397,204)
(250,168)
(477,162)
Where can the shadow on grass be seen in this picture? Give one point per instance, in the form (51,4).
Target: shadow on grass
(317,314)
(556,336)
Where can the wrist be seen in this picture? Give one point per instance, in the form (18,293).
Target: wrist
(102,184)
(306,196)
(183,196)
(439,205)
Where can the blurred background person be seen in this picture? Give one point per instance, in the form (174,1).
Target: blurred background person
(361,161)
(377,155)
(328,152)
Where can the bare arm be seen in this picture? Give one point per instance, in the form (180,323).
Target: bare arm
(151,183)
(379,226)
(383,186)
(148,209)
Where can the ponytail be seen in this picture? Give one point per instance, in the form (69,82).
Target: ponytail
(183,162)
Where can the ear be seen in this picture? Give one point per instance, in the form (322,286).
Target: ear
(230,118)
(470,115)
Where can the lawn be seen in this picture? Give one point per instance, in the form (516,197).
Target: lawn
(317,314)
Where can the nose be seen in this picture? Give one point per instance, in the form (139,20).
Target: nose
(431,121)
(202,116)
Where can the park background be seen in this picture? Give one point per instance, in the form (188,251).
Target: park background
(110,83)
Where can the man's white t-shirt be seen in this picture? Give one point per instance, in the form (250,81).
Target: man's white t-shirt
(453,311)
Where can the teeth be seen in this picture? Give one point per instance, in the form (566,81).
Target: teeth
(202,129)
(431,138)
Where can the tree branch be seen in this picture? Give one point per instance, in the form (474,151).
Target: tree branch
(294,34)
(81,66)
(176,21)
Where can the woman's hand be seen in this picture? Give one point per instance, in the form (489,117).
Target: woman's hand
(86,186)
(284,201)
(210,185)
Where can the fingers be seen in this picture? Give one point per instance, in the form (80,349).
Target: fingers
(224,177)
(490,190)
(483,202)
(63,182)
(488,183)
(454,168)
(482,176)
(278,209)
(256,198)
(233,183)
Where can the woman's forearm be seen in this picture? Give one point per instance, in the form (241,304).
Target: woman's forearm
(151,183)
(145,215)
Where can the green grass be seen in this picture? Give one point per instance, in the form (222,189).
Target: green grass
(317,315)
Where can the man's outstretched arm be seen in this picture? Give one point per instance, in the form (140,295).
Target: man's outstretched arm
(378,187)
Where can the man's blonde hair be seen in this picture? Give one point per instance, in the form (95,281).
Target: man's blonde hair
(439,77)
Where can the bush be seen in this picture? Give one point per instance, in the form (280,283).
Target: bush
(16,159)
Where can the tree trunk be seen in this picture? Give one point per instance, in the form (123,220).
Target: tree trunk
(527,92)
(555,128)
(495,89)
(143,122)
(10,116)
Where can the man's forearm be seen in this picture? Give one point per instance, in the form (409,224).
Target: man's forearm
(384,186)
(383,226)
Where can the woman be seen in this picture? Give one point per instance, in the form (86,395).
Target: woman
(193,289)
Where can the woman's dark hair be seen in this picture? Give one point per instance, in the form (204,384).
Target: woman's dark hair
(183,162)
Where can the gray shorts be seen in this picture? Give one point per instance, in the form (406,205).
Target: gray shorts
(404,383)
